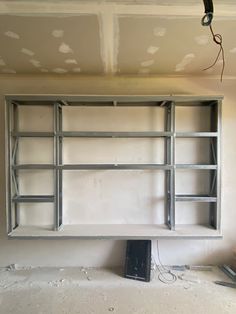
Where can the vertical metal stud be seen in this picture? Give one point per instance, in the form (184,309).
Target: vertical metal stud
(60,162)
(215,175)
(9,161)
(15,110)
(57,110)
(167,161)
(170,160)
(55,158)
(218,210)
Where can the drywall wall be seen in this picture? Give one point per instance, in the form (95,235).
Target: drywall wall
(112,197)
(109,252)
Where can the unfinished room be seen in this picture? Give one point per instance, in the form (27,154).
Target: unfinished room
(117,157)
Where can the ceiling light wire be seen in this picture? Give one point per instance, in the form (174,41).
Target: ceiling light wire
(217,38)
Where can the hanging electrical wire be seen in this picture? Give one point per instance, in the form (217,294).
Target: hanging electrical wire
(217,38)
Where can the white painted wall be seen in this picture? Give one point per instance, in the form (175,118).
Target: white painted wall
(108,252)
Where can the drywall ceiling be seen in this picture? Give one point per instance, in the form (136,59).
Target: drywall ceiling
(114,37)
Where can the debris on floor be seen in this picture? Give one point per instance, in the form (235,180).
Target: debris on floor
(191,267)
(178,267)
(13,267)
(228,270)
(226,284)
(200,268)
(189,278)
(55,291)
(86,274)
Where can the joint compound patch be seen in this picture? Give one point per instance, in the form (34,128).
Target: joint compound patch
(35,63)
(159,31)
(64,48)
(71,61)
(185,61)
(219,62)
(147,63)
(144,71)
(12,35)
(44,70)
(202,40)
(59,70)
(57,33)
(209,71)
(77,70)
(27,52)
(8,71)
(152,50)
(2,62)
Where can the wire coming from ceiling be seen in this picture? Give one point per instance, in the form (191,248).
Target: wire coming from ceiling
(217,38)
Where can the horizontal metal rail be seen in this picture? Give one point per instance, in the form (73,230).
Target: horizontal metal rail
(71,99)
(33,199)
(33,134)
(93,167)
(195,198)
(112,166)
(114,134)
(196,166)
(115,167)
(34,167)
(98,134)
(196,134)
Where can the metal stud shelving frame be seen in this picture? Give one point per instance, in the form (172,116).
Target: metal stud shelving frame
(169,104)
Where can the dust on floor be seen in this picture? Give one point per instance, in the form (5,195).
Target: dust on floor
(100,291)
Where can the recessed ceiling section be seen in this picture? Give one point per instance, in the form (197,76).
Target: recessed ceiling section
(50,44)
(181,46)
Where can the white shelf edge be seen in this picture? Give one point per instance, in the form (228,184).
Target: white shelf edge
(116,231)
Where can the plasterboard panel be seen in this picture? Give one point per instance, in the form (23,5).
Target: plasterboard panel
(50,44)
(164,2)
(158,2)
(177,45)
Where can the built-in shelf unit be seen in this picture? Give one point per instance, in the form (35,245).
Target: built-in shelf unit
(175,113)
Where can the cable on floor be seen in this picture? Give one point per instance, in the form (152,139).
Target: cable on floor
(165,274)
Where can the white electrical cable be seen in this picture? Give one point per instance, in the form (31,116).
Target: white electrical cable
(165,274)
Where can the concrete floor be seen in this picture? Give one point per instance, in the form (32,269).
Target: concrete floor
(87,291)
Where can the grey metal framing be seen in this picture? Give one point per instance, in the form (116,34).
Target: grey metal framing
(57,113)
(169,103)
